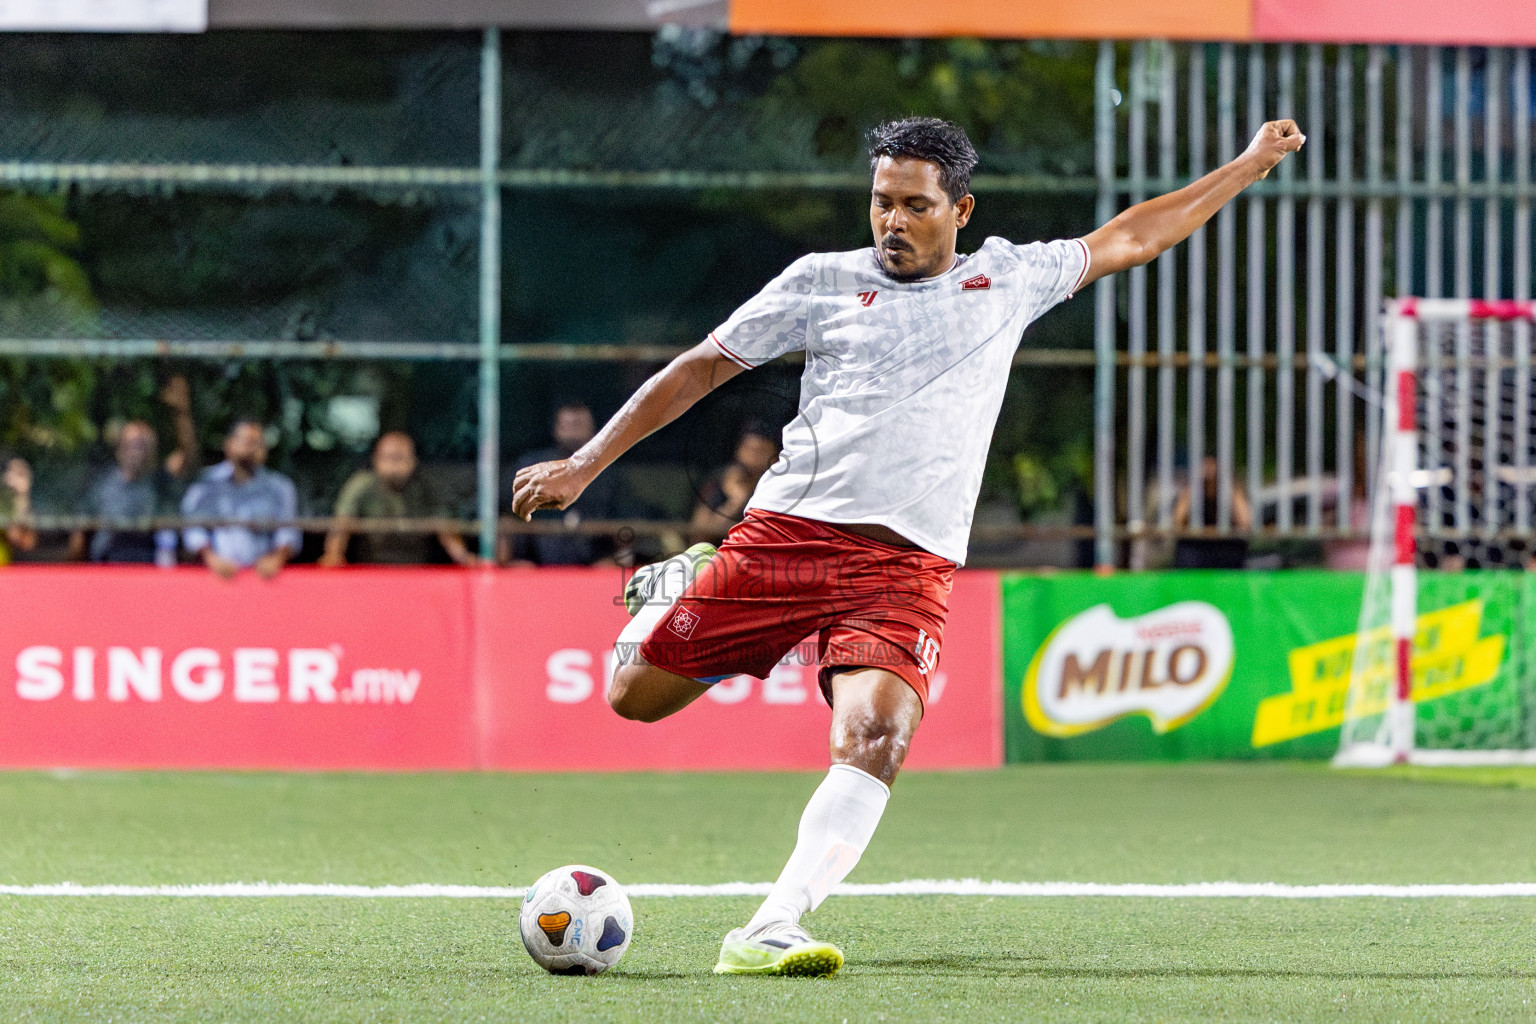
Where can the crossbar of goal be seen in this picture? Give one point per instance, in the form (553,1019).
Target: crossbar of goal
(1460,309)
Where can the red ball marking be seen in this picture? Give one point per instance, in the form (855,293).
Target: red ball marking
(587,884)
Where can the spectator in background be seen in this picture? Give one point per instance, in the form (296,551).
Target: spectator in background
(1353,553)
(242,488)
(723,498)
(391,489)
(16,510)
(573,426)
(1211,552)
(138,489)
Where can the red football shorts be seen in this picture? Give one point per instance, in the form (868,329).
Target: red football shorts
(779,579)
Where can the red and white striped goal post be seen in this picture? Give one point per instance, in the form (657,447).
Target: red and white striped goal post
(1402,319)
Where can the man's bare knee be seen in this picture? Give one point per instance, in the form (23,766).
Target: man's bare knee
(644,693)
(874,716)
(872,743)
(624,694)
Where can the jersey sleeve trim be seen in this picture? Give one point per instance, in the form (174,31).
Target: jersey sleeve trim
(732,356)
(1087,261)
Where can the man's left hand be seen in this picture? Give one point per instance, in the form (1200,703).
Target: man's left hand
(176,394)
(1274,141)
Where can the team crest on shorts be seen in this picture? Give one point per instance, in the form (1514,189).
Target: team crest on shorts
(683,623)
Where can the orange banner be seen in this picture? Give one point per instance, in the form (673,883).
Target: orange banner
(1487,22)
(1008,19)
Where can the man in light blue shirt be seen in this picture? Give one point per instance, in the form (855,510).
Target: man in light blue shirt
(242,488)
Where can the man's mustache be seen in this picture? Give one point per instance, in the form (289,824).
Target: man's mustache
(896,242)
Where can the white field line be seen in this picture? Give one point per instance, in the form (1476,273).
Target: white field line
(915,887)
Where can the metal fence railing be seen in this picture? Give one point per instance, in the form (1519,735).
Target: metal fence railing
(1416,179)
(1238,346)
(146,158)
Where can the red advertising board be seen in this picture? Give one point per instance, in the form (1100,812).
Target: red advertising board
(121,667)
(547,663)
(407,669)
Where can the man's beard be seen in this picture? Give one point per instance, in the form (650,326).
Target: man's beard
(915,274)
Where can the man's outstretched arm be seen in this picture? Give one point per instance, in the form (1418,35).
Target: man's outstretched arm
(1138,235)
(660,400)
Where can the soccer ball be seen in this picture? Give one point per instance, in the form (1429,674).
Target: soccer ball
(576,920)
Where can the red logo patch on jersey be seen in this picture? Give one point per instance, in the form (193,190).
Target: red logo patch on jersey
(977,283)
(867,298)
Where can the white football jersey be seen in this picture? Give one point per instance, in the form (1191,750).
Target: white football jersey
(903,381)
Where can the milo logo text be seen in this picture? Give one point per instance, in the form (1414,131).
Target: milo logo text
(1169,665)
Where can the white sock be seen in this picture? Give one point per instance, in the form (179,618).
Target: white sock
(676,573)
(834,830)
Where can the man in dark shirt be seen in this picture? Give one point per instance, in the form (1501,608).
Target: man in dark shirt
(573,427)
(16,509)
(723,498)
(138,488)
(392,489)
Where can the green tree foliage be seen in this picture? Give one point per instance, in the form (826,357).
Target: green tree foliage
(43,403)
(1028,107)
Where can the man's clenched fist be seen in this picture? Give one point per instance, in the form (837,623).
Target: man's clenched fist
(1273,141)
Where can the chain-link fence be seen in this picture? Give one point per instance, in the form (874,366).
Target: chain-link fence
(1251,354)
(308,228)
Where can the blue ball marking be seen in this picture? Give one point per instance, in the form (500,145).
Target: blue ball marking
(613,935)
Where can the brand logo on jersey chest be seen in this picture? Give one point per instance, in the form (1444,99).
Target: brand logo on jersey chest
(867,298)
(975,284)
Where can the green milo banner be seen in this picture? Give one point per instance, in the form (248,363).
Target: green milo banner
(1212,664)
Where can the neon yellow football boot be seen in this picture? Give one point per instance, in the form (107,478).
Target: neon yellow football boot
(778,948)
(642,586)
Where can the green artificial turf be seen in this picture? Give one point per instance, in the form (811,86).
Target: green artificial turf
(909,958)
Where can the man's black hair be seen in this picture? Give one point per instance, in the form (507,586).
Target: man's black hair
(928,138)
(374,449)
(569,403)
(244,421)
(758,428)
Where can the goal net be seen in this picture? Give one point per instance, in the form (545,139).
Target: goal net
(1443,669)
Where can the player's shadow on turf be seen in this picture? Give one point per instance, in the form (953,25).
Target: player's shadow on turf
(1019,966)
(997,965)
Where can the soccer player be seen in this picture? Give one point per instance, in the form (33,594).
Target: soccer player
(856,532)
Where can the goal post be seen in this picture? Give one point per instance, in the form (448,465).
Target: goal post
(1439,673)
